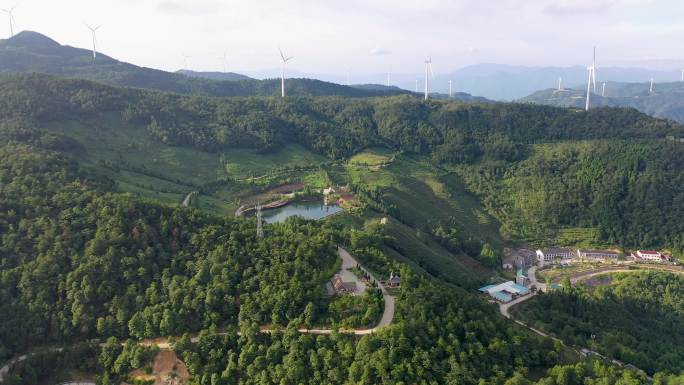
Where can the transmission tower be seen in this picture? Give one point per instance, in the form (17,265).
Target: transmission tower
(260,228)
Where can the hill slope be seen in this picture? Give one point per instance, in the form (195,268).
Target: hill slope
(29,52)
(666,100)
(497,148)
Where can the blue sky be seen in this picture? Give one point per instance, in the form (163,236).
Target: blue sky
(335,36)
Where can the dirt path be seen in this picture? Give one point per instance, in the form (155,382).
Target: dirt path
(186,201)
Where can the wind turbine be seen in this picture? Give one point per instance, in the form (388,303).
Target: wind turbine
(593,69)
(224,61)
(560,83)
(284,61)
(428,71)
(650,90)
(603,92)
(92,31)
(10,16)
(592,78)
(682,76)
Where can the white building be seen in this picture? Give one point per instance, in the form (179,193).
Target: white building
(651,256)
(550,255)
(597,255)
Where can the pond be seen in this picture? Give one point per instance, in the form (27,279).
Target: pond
(307,210)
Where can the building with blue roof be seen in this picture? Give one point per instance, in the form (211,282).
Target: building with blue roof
(505,292)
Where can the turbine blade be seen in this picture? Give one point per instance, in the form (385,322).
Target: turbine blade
(282,56)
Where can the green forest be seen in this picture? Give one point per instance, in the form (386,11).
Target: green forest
(85,266)
(638,318)
(609,169)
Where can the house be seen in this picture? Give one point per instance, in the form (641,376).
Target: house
(505,292)
(394,280)
(526,258)
(550,255)
(597,255)
(341,287)
(650,256)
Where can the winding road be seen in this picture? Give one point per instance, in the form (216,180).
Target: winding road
(347,258)
(504,308)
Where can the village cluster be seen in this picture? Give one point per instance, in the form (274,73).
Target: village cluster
(524,258)
(567,256)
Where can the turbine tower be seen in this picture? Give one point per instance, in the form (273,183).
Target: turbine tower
(592,78)
(10,16)
(650,90)
(593,70)
(560,83)
(682,76)
(93,30)
(284,61)
(603,91)
(428,71)
(224,61)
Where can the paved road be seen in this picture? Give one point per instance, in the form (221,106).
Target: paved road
(388,312)
(532,275)
(504,308)
(588,274)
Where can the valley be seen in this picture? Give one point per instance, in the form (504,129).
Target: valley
(163,227)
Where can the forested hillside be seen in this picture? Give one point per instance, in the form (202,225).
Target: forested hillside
(31,52)
(637,318)
(608,169)
(628,190)
(79,262)
(666,101)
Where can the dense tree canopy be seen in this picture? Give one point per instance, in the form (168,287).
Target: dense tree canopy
(638,318)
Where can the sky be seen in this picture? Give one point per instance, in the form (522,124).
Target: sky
(337,36)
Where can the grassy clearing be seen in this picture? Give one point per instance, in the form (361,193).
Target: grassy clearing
(376,156)
(243,163)
(425,195)
(420,249)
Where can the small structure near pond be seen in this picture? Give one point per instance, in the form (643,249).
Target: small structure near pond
(394,280)
(341,287)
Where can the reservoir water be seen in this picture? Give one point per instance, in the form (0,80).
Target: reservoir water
(308,210)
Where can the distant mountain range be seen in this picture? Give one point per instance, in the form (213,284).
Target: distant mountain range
(29,52)
(666,100)
(506,82)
